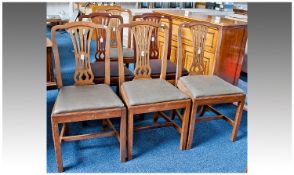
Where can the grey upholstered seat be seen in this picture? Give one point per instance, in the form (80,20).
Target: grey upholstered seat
(151,91)
(82,98)
(127,53)
(205,85)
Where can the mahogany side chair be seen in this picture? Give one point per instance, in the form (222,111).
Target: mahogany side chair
(205,90)
(155,61)
(85,100)
(144,94)
(98,67)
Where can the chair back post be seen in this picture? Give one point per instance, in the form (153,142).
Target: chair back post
(142,33)
(121,70)
(180,54)
(107,56)
(199,30)
(56,55)
(80,34)
(104,19)
(166,52)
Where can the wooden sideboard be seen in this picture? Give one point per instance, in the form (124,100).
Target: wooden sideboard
(227,63)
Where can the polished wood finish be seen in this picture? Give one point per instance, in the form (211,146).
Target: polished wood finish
(115,10)
(51,84)
(142,31)
(103,19)
(112,21)
(156,18)
(231,34)
(199,30)
(80,33)
(157,45)
(240,98)
(199,34)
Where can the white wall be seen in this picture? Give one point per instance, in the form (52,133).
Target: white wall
(64,9)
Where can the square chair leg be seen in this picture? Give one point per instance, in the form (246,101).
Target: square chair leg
(235,123)
(57,147)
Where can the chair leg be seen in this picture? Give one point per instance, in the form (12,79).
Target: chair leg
(192,125)
(123,137)
(185,127)
(155,117)
(57,147)
(237,121)
(130,134)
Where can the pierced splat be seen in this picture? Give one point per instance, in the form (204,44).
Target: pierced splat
(100,35)
(199,33)
(141,32)
(81,39)
(113,24)
(103,19)
(154,49)
(142,36)
(155,18)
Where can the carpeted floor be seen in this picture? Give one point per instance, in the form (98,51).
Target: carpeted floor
(155,150)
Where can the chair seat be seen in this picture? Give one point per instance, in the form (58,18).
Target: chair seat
(171,69)
(127,53)
(84,98)
(98,69)
(151,91)
(205,85)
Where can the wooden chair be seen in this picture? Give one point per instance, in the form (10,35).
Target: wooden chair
(144,94)
(85,101)
(98,67)
(205,90)
(155,61)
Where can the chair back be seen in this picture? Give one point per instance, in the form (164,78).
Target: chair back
(199,32)
(156,18)
(142,34)
(80,34)
(104,19)
(115,10)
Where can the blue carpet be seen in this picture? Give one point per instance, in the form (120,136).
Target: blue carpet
(155,150)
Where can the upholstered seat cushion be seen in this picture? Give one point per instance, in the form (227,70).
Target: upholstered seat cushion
(205,85)
(171,69)
(127,53)
(98,69)
(83,98)
(151,91)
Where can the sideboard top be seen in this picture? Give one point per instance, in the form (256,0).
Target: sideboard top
(217,20)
